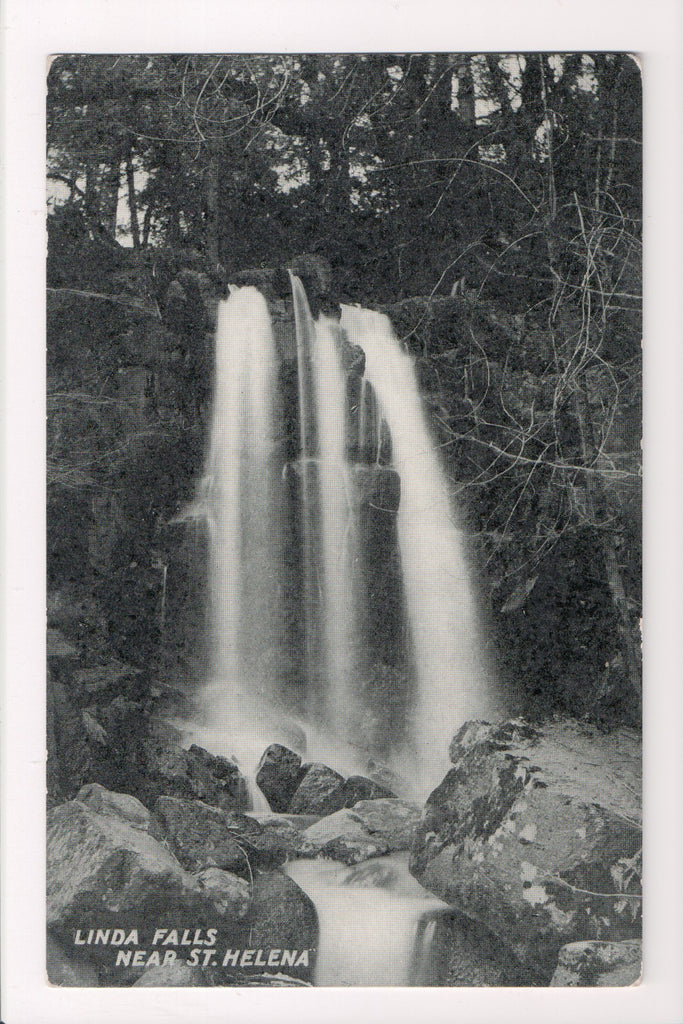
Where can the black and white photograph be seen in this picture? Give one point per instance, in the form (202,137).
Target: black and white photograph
(343,530)
(342,554)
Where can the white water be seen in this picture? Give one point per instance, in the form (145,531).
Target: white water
(237,500)
(453,682)
(338,530)
(305,332)
(378,926)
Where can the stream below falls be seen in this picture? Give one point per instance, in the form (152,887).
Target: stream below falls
(377,925)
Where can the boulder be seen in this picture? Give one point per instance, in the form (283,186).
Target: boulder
(396,821)
(321,791)
(281,913)
(121,806)
(358,787)
(343,837)
(370,829)
(600,964)
(97,862)
(278,775)
(282,920)
(291,838)
(110,886)
(168,769)
(127,751)
(204,836)
(535,833)
(266,844)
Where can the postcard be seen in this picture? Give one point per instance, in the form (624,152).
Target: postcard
(343,577)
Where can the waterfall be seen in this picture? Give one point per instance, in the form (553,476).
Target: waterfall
(350,516)
(453,682)
(238,499)
(369,548)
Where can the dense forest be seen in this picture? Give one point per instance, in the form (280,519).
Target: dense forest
(490,204)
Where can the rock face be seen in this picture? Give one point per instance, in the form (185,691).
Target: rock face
(535,834)
(600,964)
(278,775)
(321,791)
(371,829)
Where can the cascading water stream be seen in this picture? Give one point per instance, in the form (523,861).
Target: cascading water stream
(338,530)
(453,681)
(378,926)
(238,500)
(305,333)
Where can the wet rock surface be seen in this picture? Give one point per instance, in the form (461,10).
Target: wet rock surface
(371,828)
(524,837)
(278,775)
(358,787)
(321,791)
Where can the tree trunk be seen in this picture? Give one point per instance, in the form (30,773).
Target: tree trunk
(147,224)
(132,201)
(109,191)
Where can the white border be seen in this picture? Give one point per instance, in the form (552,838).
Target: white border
(34,28)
